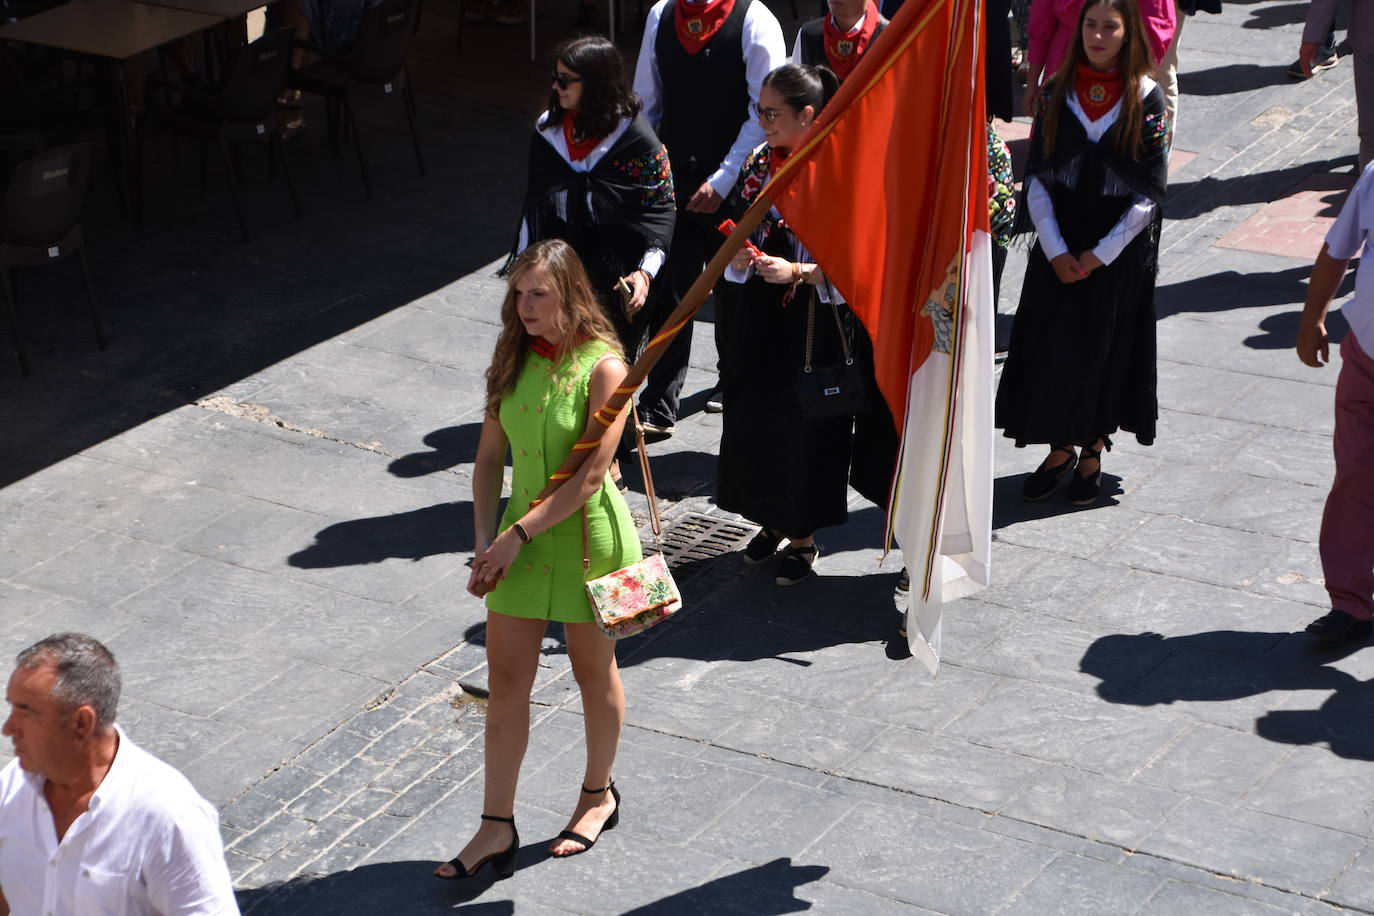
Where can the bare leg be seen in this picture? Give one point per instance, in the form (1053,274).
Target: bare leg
(512,661)
(603,712)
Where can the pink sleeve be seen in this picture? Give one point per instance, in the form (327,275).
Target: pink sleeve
(1043,24)
(1160,22)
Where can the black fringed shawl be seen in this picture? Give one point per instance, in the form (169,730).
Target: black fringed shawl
(1092,184)
(610,215)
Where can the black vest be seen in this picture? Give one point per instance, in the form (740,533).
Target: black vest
(811,37)
(705,97)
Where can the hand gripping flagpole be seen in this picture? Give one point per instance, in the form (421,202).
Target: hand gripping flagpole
(606,414)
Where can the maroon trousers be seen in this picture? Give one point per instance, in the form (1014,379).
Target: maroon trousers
(1347,538)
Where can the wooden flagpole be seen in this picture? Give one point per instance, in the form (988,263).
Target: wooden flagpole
(605,415)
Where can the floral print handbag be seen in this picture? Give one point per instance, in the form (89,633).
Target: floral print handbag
(634,597)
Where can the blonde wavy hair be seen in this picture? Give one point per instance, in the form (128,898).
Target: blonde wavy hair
(580,317)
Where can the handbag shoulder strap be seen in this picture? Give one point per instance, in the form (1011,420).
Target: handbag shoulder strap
(811,327)
(655,519)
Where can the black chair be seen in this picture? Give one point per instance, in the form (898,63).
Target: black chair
(38,225)
(375,60)
(243,111)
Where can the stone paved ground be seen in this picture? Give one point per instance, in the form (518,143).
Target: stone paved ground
(259,497)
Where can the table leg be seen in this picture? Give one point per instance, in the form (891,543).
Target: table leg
(122,141)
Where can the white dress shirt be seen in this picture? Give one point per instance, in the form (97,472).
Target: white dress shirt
(147,844)
(653,257)
(1347,237)
(1135,219)
(764,51)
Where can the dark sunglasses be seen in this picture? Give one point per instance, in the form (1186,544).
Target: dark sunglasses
(562,81)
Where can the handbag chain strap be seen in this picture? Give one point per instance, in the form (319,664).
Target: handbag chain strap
(655,519)
(811,328)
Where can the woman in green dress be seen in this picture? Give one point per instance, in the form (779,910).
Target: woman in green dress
(557,361)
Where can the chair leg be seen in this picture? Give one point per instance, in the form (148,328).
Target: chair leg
(408,96)
(279,145)
(14,321)
(351,122)
(234,188)
(90,299)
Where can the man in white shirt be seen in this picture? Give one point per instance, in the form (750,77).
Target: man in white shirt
(1347,550)
(700,68)
(89,822)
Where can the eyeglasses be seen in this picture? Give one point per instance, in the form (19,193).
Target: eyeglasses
(768,114)
(562,81)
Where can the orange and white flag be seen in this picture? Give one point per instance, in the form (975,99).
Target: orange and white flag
(889,192)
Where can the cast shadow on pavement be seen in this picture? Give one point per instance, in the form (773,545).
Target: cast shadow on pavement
(1187,199)
(431,531)
(407,888)
(1009,507)
(749,622)
(448,448)
(1231,290)
(1229,78)
(763,890)
(1275,15)
(1228,665)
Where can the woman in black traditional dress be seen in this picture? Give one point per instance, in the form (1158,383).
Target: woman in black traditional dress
(1081,363)
(599,179)
(777,467)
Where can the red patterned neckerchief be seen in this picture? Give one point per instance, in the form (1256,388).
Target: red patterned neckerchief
(579,146)
(697,23)
(844,49)
(1097,91)
(542,347)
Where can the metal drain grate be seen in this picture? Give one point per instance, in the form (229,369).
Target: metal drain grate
(695,539)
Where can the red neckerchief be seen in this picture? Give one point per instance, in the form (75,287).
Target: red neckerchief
(697,23)
(542,347)
(775,160)
(578,149)
(1097,91)
(843,49)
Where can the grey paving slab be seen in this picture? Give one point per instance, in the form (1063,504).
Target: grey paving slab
(327,530)
(936,858)
(938,767)
(1215,763)
(107,568)
(1210,553)
(1200,831)
(1176,897)
(1317,787)
(1104,808)
(1073,884)
(1048,723)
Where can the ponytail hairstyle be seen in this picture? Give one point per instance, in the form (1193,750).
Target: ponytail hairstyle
(606,93)
(580,315)
(1135,63)
(801,85)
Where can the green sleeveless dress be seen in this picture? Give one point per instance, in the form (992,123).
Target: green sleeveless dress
(543,417)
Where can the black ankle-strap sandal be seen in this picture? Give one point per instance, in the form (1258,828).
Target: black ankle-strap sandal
(610,824)
(1045,480)
(502,863)
(1084,491)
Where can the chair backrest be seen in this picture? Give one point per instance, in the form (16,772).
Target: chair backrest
(383,42)
(45,196)
(256,78)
